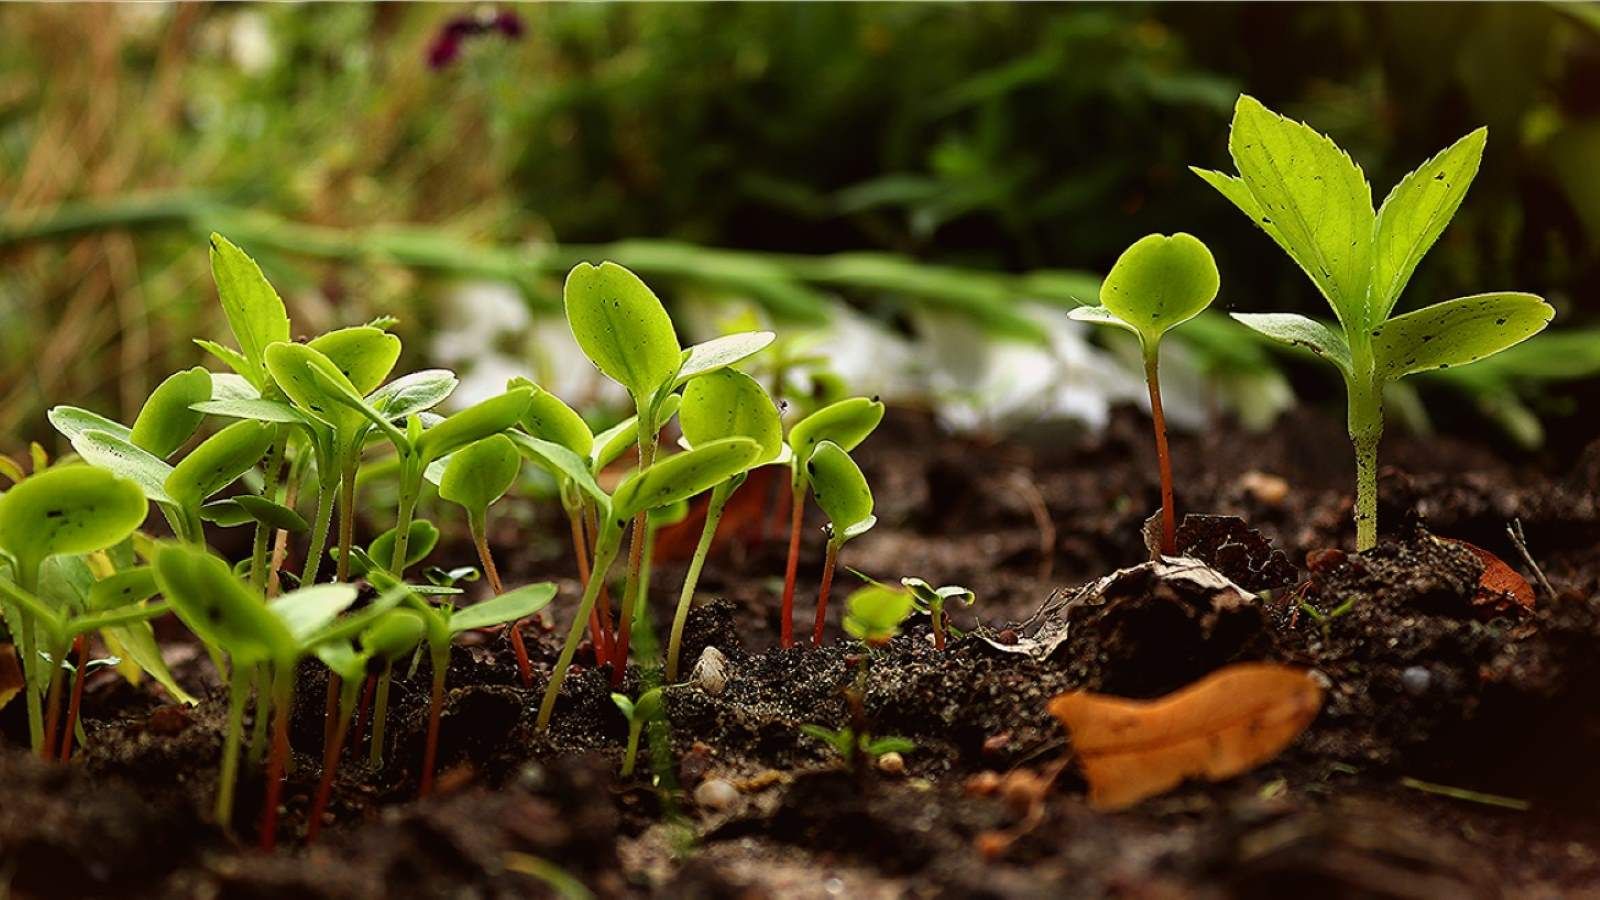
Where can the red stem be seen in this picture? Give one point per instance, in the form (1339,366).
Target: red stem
(1169,544)
(605,651)
(358,730)
(52,711)
(796,517)
(330,712)
(938,630)
(276,763)
(330,766)
(524,666)
(822,595)
(430,753)
(81,644)
(596,636)
(619,652)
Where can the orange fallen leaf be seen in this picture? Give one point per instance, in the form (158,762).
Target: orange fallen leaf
(1226,723)
(11,682)
(1498,581)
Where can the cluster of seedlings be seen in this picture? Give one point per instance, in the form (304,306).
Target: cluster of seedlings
(308,423)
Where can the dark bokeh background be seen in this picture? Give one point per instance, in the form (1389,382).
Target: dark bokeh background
(996,137)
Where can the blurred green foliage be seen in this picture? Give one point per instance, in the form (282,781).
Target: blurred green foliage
(1012,138)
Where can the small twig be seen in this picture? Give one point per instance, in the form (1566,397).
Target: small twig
(1520,541)
(1041,520)
(1456,793)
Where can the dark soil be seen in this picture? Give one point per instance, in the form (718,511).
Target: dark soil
(1429,683)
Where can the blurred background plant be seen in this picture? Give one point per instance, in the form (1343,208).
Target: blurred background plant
(898,179)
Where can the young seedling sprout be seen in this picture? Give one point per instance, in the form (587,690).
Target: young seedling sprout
(1156,285)
(625,331)
(388,640)
(1315,203)
(846,423)
(651,707)
(257,634)
(71,509)
(932,600)
(473,478)
(719,405)
(873,616)
(662,483)
(842,492)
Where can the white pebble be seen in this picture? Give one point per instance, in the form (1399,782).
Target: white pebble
(892,763)
(711,672)
(716,794)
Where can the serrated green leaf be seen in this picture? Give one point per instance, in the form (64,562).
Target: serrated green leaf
(728,403)
(1315,196)
(719,353)
(166,420)
(840,488)
(363,354)
(229,357)
(1159,283)
(622,327)
(1414,215)
(255,312)
(474,423)
(1299,331)
(683,475)
(68,509)
(1457,332)
(218,607)
(119,457)
(218,461)
(480,473)
(511,606)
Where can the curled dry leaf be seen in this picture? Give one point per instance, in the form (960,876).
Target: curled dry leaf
(1500,585)
(1226,723)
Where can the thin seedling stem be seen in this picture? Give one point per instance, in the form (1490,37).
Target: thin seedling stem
(330,767)
(347,518)
(719,500)
(81,645)
(1169,543)
(581,552)
(380,715)
(605,553)
(604,608)
(480,540)
(282,686)
(358,730)
(792,568)
(273,467)
(828,563)
(238,690)
(52,719)
(630,597)
(430,752)
(319,531)
(938,627)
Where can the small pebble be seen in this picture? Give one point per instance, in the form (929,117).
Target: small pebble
(716,794)
(711,671)
(983,784)
(1270,490)
(1416,680)
(892,763)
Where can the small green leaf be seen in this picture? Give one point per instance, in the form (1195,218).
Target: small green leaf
(1299,331)
(929,597)
(840,488)
(890,744)
(549,418)
(561,463)
(669,515)
(136,642)
(308,610)
(255,312)
(683,475)
(622,327)
(873,614)
(474,423)
(229,386)
(272,515)
(363,354)
(123,588)
(342,660)
(229,357)
(424,537)
(611,444)
(846,423)
(68,509)
(480,473)
(1457,332)
(256,409)
(166,419)
(218,461)
(218,608)
(414,393)
(1098,315)
(1159,283)
(225,513)
(625,704)
(650,707)
(394,634)
(515,604)
(719,353)
(119,457)
(1414,215)
(1315,196)
(728,403)
(73,421)
(293,367)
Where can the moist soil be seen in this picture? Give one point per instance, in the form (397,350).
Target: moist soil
(1453,757)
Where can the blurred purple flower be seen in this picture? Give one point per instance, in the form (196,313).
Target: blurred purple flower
(446,46)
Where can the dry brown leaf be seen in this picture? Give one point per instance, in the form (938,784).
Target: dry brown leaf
(1228,722)
(1498,582)
(11,682)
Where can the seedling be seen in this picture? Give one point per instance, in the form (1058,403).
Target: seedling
(852,746)
(1316,204)
(842,492)
(874,614)
(932,600)
(663,483)
(651,707)
(388,640)
(1156,285)
(272,636)
(66,510)
(625,331)
(719,405)
(846,423)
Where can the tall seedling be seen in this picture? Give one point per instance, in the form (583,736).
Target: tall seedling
(1157,284)
(842,492)
(1315,203)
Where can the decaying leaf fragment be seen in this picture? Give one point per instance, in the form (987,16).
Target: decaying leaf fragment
(11,682)
(1226,723)
(1500,586)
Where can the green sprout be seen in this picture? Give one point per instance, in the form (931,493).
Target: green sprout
(71,509)
(718,405)
(258,636)
(852,746)
(651,707)
(874,614)
(842,492)
(388,640)
(662,483)
(625,331)
(846,423)
(1156,285)
(931,600)
(1315,203)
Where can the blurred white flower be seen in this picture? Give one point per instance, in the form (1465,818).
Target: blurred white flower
(250,43)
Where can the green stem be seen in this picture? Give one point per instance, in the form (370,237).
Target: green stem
(430,753)
(238,691)
(263,537)
(263,720)
(632,754)
(1152,378)
(631,588)
(347,513)
(605,554)
(719,500)
(380,714)
(28,580)
(410,487)
(1366,430)
(326,488)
